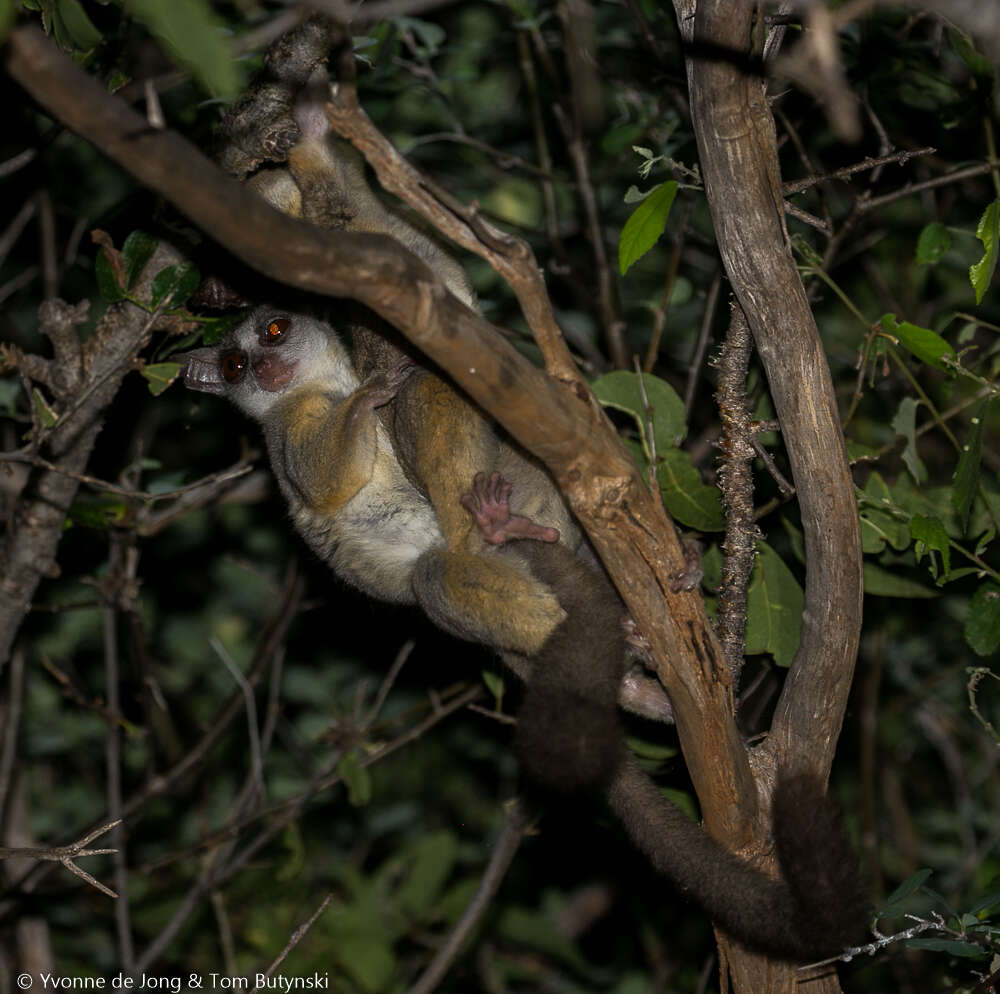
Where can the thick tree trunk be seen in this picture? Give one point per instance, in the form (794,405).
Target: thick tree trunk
(738,157)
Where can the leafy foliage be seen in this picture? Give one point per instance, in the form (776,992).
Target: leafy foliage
(256,739)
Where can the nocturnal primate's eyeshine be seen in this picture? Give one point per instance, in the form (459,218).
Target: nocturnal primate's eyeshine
(397,482)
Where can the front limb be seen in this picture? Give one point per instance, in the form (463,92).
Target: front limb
(330,444)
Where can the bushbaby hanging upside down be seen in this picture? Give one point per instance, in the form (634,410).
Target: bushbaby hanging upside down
(409,493)
(374,523)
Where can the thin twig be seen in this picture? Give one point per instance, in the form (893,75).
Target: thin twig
(115,589)
(47,246)
(223,476)
(253,731)
(390,678)
(16,162)
(611,319)
(701,346)
(66,854)
(530,77)
(295,938)
(286,812)
(503,854)
(289,606)
(784,486)
(670,278)
(867,204)
(503,719)
(648,427)
(805,217)
(11,723)
(505,160)
(869,162)
(14,228)
(509,256)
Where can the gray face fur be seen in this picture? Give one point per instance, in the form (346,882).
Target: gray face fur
(268,356)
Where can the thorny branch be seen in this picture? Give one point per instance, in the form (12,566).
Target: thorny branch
(83,380)
(736,455)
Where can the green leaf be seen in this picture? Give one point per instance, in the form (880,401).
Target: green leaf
(984,905)
(10,390)
(982,622)
(367,958)
(97,511)
(296,858)
(859,452)
(159,375)
(796,538)
(621,390)
(357,780)
(8,9)
(495,685)
(711,571)
(965,482)
(904,424)
(137,251)
(429,35)
(984,540)
(433,858)
(933,243)
(988,232)
(616,140)
(774,608)
(174,285)
(107,282)
(879,523)
(881,582)
(656,752)
(79,29)
(215,328)
(44,411)
(196,37)
(928,346)
(683,800)
(167,482)
(535,930)
(909,886)
(646,224)
(688,499)
(929,536)
(978,64)
(952,946)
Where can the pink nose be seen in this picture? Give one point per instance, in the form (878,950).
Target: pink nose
(271,372)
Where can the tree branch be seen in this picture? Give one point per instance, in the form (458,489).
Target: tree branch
(565,428)
(28,553)
(738,154)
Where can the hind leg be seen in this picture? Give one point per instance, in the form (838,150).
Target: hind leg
(490,597)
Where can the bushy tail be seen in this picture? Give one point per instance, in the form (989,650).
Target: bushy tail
(569,732)
(569,737)
(816,910)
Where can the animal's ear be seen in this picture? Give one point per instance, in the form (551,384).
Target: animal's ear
(201,370)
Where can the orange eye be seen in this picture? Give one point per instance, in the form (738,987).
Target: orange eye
(274,331)
(232,366)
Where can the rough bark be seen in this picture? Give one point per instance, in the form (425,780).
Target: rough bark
(738,157)
(29,549)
